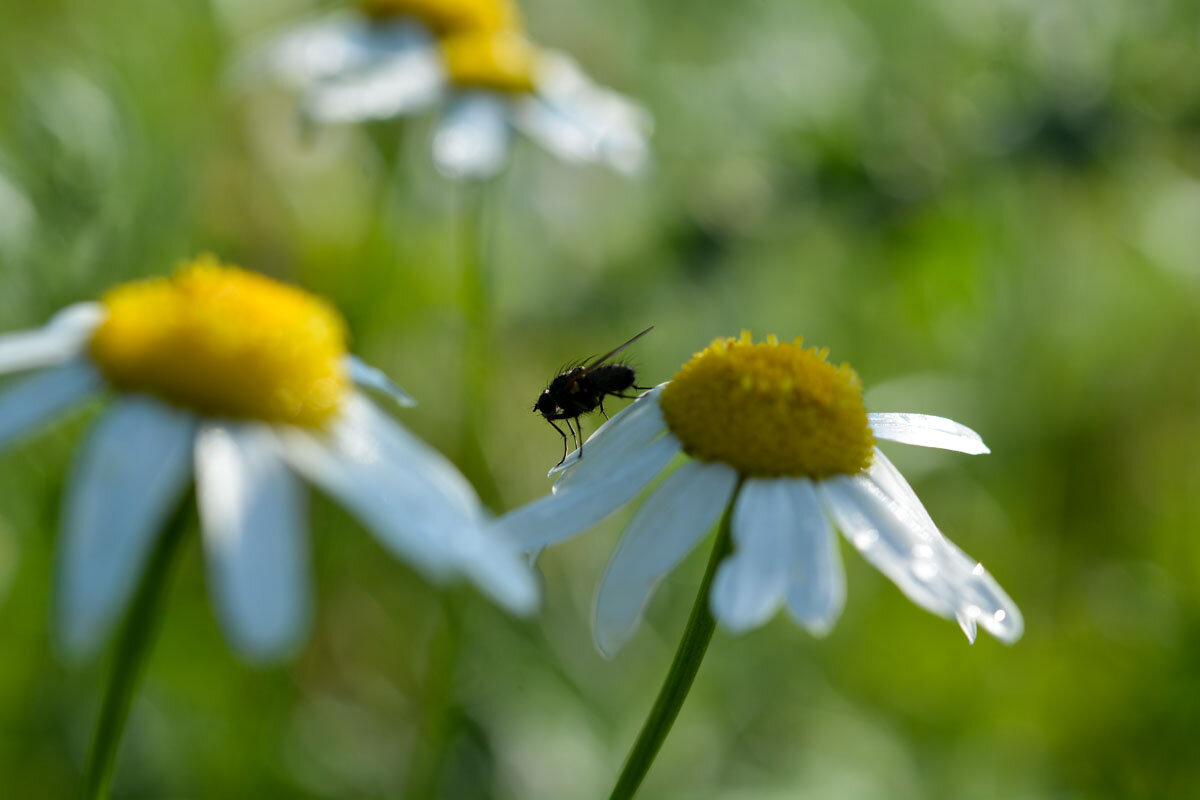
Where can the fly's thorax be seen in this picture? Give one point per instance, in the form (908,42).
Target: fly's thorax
(225,342)
(770,409)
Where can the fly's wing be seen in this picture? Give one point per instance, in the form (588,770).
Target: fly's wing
(598,361)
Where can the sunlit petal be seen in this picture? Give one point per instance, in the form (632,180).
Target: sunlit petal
(783,550)
(472,139)
(574,509)
(334,45)
(925,430)
(923,564)
(130,473)
(253,517)
(369,377)
(666,528)
(63,338)
(43,397)
(406,83)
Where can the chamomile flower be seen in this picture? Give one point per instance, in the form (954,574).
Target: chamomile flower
(783,434)
(403,57)
(242,385)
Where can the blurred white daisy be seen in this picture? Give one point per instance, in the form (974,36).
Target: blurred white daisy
(404,57)
(242,384)
(786,431)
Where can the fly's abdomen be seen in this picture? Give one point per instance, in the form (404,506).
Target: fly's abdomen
(611,378)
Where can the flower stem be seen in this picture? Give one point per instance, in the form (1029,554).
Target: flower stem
(132,649)
(674,691)
(477,360)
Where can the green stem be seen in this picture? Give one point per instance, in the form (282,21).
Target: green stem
(478,357)
(439,711)
(129,660)
(674,691)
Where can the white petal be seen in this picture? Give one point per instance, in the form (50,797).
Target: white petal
(783,550)
(334,45)
(414,500)
(63,338)
(252,515)
(406,83)
(39,399)
(373,476)
(578,120)
(129,475)
(553,129)
(894,485)
(369,377)
(493,562)
(632,427)
(925,430)
(576,508)
(919,560)
(818,591)
(472,139)
(666,528)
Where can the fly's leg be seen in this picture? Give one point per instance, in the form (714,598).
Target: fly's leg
(602,411)
(574,439)
(560,433)
(579,425)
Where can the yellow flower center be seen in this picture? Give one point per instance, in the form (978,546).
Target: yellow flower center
(770,409)
(448,16)
(503,62)
(225,342)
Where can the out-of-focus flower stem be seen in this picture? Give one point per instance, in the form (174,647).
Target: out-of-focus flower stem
(478,356)
(131,653)
(692,647)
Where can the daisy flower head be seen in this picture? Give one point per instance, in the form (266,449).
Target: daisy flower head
(242,385)
(778,435)
(471,59)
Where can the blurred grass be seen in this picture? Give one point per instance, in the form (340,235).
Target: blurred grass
(989,209)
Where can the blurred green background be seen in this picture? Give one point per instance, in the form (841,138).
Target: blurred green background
(991,209)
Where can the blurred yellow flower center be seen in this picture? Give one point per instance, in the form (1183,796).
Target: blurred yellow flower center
(448,16)
(770,409)
(225,342)
(503,62)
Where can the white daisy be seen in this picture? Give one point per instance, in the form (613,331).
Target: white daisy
(242,384)
(404,57)
(782,434)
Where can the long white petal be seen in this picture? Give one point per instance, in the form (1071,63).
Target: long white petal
(925,430)
(334,45)
(39,399)
(63,338)
(894,484)
(888,478)
(574,509)
(472,139)
(369,377)
(252,514)
(666,528)
(921,562)
(414,500)
(371,476)
(783,551)
(579,120)
(818,591)
(406,83)
(129,475)
(638,423)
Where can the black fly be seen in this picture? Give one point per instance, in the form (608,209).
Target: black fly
(582,389)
